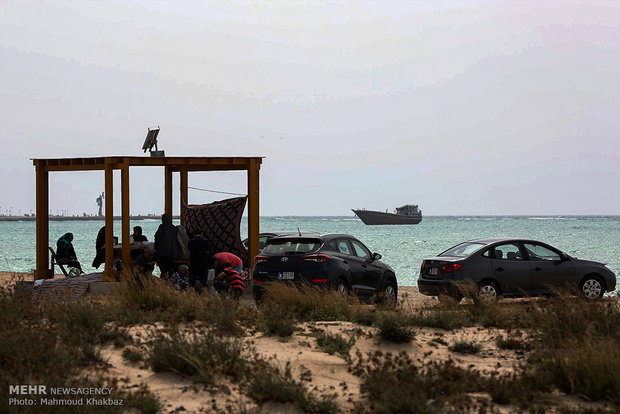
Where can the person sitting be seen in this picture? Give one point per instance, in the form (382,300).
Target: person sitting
(228,279)
(137,235)
(65,253)
(180,277)
(145,263)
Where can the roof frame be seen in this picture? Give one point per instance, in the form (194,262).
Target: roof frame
(181,165)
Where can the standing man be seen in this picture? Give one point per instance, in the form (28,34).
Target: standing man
(166,246)
(199,256)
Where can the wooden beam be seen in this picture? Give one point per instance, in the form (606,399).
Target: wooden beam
(184,194)
(168,190)
(125,234)
(253,213)
(42,224)
(109,273)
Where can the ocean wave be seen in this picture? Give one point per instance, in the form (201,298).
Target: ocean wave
(553,218)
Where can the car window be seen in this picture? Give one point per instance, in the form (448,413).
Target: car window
(538,252)
(360,250)
(342,246)
(262,240)
(508,251)
(462,250)
(291,246)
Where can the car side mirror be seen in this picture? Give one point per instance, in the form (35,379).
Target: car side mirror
(376,256)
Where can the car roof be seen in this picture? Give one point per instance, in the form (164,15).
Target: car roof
(286,234)
(492,240)
(325,236)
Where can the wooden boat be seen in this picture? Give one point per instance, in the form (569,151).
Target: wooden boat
(407,214)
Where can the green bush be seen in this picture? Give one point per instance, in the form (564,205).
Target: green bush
(334,344)
(394,327)
(197,356)
(395,384)
(465,347)
(268,383)
(274,320)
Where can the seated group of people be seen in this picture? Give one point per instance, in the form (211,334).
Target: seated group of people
(172,249)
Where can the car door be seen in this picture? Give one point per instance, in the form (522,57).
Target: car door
(371,271)
(351,262)
(511,269)
(548,268)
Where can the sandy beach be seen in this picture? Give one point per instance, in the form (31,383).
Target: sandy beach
(321,372)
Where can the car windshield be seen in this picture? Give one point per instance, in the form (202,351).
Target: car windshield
(291,246)
(462,250)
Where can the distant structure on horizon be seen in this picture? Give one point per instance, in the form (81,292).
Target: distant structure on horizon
(100,204)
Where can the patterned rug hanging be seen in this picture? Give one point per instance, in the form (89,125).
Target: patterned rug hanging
(220,222)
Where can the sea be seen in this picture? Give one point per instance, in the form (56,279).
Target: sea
(402,246)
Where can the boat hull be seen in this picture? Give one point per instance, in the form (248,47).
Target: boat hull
(378,217)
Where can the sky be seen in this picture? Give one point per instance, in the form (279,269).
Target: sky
(461,107)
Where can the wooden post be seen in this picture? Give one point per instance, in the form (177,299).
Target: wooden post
(168,189)
(184,194)
(42,224)
(253,213)
(109,273)
(125,234)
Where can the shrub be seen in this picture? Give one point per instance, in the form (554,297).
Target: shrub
(197,356)
(308,303)
(132,355)
(268,383)
(274,320)
(334,344)
(443,318)
(465,347)
(511,343)
(394,384)
(577,349)
(395,327)
(143,400)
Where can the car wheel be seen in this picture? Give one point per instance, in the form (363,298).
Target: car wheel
(389,293)
(487,292)
(342,288)
(592,287)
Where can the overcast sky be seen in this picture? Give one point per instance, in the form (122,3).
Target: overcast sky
(462,107)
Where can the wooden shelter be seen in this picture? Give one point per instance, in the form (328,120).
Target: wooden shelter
(182,165)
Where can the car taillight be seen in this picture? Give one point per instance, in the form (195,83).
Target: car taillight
(256,282)
(447,268)
(423,267)
(317,258)
(260,259)
(319,280)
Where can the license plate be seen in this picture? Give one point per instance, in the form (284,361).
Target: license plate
(286,275)
(432,271)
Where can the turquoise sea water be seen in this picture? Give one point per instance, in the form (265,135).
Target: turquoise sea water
(403,247)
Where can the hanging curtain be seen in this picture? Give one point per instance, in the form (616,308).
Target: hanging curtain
(220,222)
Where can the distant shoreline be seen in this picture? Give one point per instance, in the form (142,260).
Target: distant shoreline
(81,218)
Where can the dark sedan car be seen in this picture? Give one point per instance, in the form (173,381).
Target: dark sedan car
(512,267)
(333,260)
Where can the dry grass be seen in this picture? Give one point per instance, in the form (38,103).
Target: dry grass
(570,346)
